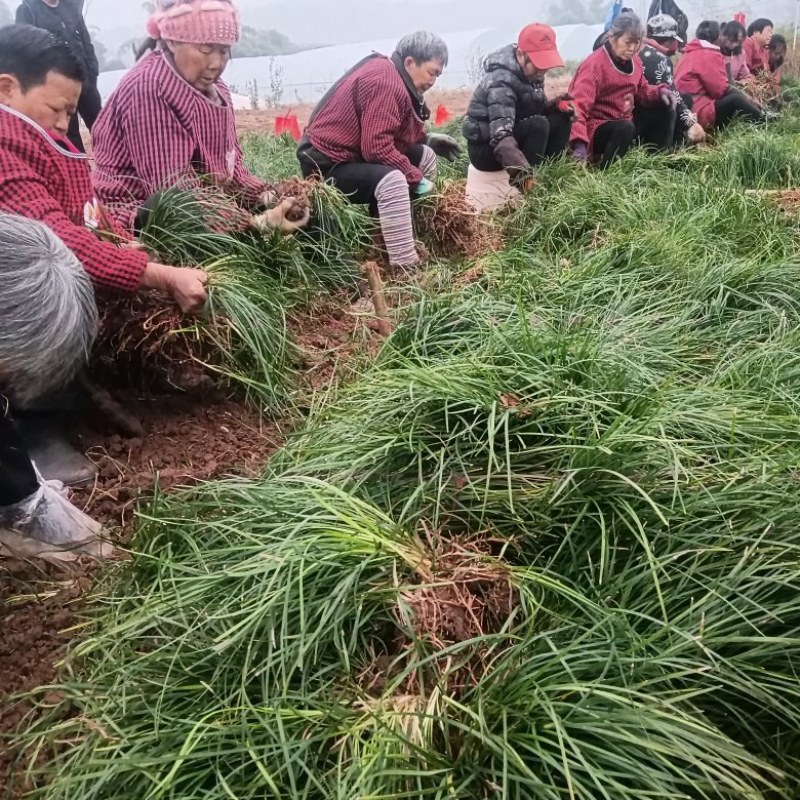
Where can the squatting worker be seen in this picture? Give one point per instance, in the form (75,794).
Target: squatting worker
(44,178)
(171,121)
(42,345)
(661,44)
(510,124)
(608,86)
(703,74)
(367,136)
(756,46)
(731,43)
(64,19)
(776,52)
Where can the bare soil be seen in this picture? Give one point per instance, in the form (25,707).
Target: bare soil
(186,441)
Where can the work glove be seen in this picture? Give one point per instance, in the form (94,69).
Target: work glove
(275,218)
(444,146)
(46,524)
(507,152)
(580,152)
(521,179)
(695,134)
(565,104)
(569,108)
(668,97)
(424,188)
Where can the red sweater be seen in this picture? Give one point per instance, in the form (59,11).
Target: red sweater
(371,118)
(43,181)
(757,57)
(702,73)
(157,130)
(604,93)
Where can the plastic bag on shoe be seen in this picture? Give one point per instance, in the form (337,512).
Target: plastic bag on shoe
(46,525)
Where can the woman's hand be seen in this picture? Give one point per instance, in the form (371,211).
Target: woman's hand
(276,218)
(580,152)
(696,134)
(186,285)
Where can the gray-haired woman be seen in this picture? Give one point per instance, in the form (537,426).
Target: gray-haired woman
(367,136)
(607,87)
(48,320)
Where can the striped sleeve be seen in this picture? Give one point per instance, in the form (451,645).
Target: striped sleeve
(584,92)
(24,192)
(251,187)
(160,147)
(649,94)
(381,118)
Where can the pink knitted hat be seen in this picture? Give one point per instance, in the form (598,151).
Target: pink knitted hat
(196,21)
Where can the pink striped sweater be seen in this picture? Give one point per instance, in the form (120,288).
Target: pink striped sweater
(158,131)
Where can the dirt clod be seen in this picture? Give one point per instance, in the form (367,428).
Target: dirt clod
(300,191)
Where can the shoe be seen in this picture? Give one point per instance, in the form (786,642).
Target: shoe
(47,526)
(57,460)
(48,448)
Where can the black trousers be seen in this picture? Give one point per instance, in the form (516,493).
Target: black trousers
(17,478)
(612,140)
(89,106)
(358,180)
(737,104)
(655,126)
(539,138)
(661,128)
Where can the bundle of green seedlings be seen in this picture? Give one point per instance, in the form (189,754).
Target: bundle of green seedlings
(521,558)
(254,281)
(748,156)
(545,548)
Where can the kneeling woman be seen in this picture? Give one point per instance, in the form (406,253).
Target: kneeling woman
(607,87)
(170,121)
(367,136)
(703,74)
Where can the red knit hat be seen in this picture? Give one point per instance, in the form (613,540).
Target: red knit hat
(196,21)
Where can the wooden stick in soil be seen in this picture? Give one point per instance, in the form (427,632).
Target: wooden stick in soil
(378,298)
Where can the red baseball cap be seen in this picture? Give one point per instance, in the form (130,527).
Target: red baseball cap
(538,42)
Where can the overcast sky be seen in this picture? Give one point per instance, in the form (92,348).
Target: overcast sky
(338,21)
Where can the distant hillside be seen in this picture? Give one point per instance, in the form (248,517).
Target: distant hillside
(113,54)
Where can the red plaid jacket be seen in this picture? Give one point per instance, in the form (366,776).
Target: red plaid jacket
(157,131)
(41,180)
(603,93)
(371,118)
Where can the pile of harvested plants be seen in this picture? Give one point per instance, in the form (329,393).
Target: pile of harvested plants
(545,547)
(451,228)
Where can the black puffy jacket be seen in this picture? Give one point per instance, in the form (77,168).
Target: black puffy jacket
(503,98)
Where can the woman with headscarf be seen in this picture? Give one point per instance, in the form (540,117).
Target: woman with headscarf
(171,122)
